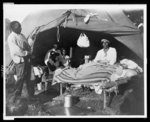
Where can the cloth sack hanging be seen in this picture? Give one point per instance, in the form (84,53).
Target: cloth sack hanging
(83,41)
(88,16)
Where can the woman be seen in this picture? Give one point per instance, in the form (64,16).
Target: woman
(107,55)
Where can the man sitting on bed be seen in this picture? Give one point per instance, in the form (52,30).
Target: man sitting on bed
(107,55)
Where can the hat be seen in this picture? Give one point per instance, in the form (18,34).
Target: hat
(105,40)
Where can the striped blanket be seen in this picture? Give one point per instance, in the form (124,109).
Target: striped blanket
(87,73)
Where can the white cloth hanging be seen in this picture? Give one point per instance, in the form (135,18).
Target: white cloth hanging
(83,41)
(87,17)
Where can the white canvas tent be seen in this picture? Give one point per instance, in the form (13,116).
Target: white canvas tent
(111,22)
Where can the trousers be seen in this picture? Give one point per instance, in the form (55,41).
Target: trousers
(23,72)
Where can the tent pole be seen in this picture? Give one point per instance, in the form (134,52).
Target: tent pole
(105,101)
(61,89)
(58,34)
(70,52)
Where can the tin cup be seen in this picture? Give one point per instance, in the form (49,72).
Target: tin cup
(86,59)
(68,101)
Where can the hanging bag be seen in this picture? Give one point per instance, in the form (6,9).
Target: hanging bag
(83,41)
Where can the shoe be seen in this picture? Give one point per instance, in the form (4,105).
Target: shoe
(38,92)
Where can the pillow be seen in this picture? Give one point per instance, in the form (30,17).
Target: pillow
(131,64)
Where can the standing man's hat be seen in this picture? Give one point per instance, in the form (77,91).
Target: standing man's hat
(105,40)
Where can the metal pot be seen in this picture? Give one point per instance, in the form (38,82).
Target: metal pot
(68,101)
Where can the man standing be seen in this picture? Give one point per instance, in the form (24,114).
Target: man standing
(107,55)
(20,54)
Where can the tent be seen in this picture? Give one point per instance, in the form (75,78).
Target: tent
(65,26)
(7,32)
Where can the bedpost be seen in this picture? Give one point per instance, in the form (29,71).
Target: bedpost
(61,89)
(70,52)
(105,101)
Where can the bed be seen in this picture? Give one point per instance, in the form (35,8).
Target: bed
(101,77)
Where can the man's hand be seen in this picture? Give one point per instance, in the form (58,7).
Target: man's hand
(103,61)
(28,53)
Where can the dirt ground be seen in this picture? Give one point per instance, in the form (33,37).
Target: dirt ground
(129,101)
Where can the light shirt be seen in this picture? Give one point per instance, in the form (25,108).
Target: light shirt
(37,71)
(30,42)
(18,46)
(110,55)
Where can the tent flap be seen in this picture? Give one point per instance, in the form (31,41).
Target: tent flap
(133,43)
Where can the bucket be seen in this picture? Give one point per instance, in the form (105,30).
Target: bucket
(68,101)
